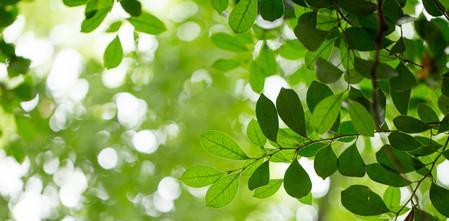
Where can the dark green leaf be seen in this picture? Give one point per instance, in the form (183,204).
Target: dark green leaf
(405,79)
(383,71)
(296,181)
(433,7)
(312,149)
(397,160)
(445,85)
(316,93)
(260,177)
(379,174)
(326,71)
(222,145)
(350,162)
(361,40)
(307,32)
(409,124)
(427,114)
(325,162)
(133,7)
(439,197)
(403,141)
(267,117)
(223,191)
(290,110)
(362,201)
(271,9)
(401,100)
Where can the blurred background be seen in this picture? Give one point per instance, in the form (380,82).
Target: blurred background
(95,144)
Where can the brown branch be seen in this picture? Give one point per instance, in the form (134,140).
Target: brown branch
(381,25)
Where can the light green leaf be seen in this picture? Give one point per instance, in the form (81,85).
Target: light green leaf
(113,54)
(392,197)
(255,134)
(307,33)
(326,71)
(382,175)
(200,176)
(325,113)
(222,145)
(147,23)
(268,190)
(222,192)
(219,5)
(243,15)
(271,9)
(228,42)
(361,119)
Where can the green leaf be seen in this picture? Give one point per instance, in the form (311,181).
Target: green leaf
(225,64)
(255,133)
(401,100)
(228,42)
(222,145)
(72,3)
(403,141)
(397,160)
(325,162)
(392,197)
(287,138)
(361,119)
(292,50)
(308,199)
(443,104)
(95,13)
(444,124)
(296,181)
(290,110)
(361,40)
(381,175)
(398,48)
(113,54)
(362,201)
(260,177)
(405,80)
(439,197)
(427,114)
(18,65)
(433,7)
(307,33)
(358,7)
(147,23)
(428,146)
(316,93)
(243,15)
(271,9)
(409,124)
(223,191)
(219,5)
(445,85)
(268,190)
(267,117)
(133,7)
(266,61)
(200,176)
(422,215)
(312,149)
(114,27)
(383,71)
(326,71)
(350,162)
(325,113)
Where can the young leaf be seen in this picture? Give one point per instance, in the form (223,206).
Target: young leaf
(362,201)
(296,181)
(260,177)
(325,162)
(200,176)
(271,9)
(225,64)
(290,110)
(316,93)
(325,113)
(392,197)
(427,114)
(439,197)
(255,134)
(409,124)
(147,23)
(243,15)
(113,54)
(222,145)
(350,162)
(307,32)
(268,190)
(381,175)
(403,141)
(228,42)
(223,191)
(267,117)
(361,119)
(326,71)
(219,5)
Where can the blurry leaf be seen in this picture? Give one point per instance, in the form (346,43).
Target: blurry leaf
(326,71)
(445,85)
(401,100)
(409,124)
(147,23)
(222,145)
(114,27)
(444,124)
(268,190)
(223,191)
(361,40)
(325,162)
(306,199)
(292,50)
(439,197)
(383,71)
(260,177)
(403,141)
(381,175)
(266,61)
(133,7)
(95,13)
(228,42)
(72,3)
(219,5)
(392,197)
(316,93)
(362,201)
(290,110)
(113,54)
(225,64)
(18,65)
(243,15)
(361,119)
(325,113)
(443,104)
(200,176)
(405,80)
(428,146)
(358,7)
(433,7)
(398,48)
(427,114)
(307,33)
(271,9)
(422,215)
(255,134)
(267,117)
(350,162)
(296,181)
